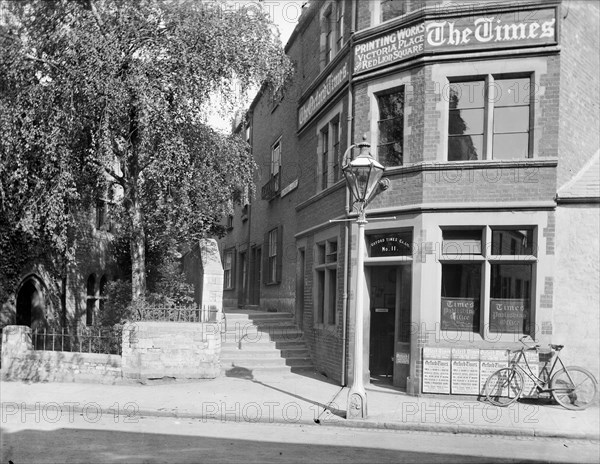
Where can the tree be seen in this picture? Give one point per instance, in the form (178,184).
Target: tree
(96,94)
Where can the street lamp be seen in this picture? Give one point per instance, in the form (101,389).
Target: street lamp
(363,176)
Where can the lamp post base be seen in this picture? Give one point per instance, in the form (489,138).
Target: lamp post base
(357,404)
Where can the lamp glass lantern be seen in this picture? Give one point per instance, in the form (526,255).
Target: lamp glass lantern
(363,175)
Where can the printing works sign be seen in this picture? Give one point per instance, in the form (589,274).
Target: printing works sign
(396,46)
(473,32)
(331,84)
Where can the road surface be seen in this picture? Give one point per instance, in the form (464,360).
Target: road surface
(30,437)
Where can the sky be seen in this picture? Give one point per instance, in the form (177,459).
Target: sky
(285,15)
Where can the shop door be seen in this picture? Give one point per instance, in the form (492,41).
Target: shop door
(389,333)
(382,293)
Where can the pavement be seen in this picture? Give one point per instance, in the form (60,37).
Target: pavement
(303,398)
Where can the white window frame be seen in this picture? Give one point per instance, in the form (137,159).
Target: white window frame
(486,259)
(382,86)
(275,165)
(441,74)
(228,269)
(326,288)
(488,81)
(272,256)
(332,29)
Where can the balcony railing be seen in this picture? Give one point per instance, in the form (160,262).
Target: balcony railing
(271,189)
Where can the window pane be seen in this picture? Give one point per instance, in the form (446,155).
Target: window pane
(512,242)
(510,92)
(331,291)
(461,242)
(462,122)
(511,146)
(467,94)
(390,154)
(510,308)
(390,131)
(511,119)
(392,9)
(391,105)
(320,295)
(465,147)
(461,288)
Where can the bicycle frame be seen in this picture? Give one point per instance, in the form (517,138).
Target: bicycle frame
(541,385)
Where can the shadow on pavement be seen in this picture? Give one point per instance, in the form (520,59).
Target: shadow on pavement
(99,446)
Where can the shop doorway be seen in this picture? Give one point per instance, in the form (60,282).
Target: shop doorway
(389,331)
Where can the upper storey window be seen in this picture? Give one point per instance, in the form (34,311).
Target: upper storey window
(390,9)
(489,118)
(391,127)
(332,30)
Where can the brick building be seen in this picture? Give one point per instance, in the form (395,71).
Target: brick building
(481,113)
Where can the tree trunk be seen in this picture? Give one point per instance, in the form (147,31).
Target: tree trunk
(138,251)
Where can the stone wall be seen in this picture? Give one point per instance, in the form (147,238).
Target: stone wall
(21,362)
(188,350)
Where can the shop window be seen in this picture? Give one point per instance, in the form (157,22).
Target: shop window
(461,242)
(329,143)
(461,290)
(512,266)
(509,270)
(273,256)
(512,242)
(391,127)
(228,269)
(473,104)
(326,282)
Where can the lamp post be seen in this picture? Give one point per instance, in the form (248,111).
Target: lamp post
(363,176)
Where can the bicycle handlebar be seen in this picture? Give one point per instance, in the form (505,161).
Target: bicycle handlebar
(531,347)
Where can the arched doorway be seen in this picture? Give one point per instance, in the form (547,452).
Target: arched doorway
(30,305)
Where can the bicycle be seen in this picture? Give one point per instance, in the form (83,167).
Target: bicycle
(572,387)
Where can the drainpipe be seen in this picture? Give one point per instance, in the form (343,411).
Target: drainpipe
(343,380)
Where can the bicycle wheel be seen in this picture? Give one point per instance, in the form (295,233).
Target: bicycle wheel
(504,387)
(573,388)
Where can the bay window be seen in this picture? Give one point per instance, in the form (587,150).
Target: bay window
(489,118)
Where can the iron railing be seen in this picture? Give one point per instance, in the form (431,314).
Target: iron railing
(177,314)
(271,189)
(101,340)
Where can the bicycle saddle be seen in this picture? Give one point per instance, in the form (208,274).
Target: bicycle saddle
(557,347)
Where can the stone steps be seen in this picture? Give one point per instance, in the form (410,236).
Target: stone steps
(255,341)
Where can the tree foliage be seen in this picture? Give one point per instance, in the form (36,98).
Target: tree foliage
(107,93)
